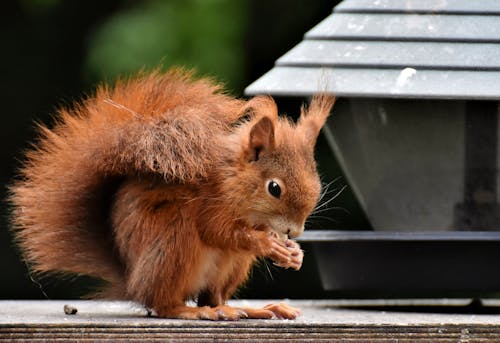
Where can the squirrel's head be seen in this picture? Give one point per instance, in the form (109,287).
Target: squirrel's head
(274,181)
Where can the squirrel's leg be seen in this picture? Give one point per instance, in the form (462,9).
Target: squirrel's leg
(210,307)
(237,272)
(284,254)
(260,243)
(236,278)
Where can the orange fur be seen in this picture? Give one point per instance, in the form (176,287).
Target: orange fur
(159,187)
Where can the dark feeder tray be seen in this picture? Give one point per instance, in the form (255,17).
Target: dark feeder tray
(409,264)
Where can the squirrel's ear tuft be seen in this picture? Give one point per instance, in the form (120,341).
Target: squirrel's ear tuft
(259,105)
(313,117)
(261,139)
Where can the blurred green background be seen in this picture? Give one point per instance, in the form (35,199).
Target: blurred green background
(55,51)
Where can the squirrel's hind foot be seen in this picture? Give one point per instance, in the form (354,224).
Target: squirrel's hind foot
(273,311)
(229,313)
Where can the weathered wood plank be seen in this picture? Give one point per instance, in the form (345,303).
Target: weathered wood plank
(411,27)
(321,321)
(390,54)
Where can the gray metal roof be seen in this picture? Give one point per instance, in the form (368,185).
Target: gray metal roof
(395,48)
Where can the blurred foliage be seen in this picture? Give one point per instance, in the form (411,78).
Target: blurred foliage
(205,34)
(38,6)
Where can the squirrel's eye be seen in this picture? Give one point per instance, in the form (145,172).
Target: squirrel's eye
(274,189)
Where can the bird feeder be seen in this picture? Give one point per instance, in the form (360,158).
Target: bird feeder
(416,134)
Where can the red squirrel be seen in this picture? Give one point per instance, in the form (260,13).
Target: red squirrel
(169,189)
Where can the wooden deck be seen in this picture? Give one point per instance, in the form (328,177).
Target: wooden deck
(320,321)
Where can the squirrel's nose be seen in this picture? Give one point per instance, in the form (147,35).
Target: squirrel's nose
(295,231)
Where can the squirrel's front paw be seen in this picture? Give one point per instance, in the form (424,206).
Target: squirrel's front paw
(285,254)
(296,255)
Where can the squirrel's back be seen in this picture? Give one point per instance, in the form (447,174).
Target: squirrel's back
(168,125)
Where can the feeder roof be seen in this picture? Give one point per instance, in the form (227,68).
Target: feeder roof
(444,49)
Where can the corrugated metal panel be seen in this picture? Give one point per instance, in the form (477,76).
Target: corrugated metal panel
(429,55)
(408,27)
(364,53)
(394,83)
(422,6)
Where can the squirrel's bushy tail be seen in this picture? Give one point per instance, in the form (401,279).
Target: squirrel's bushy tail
(153,124)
